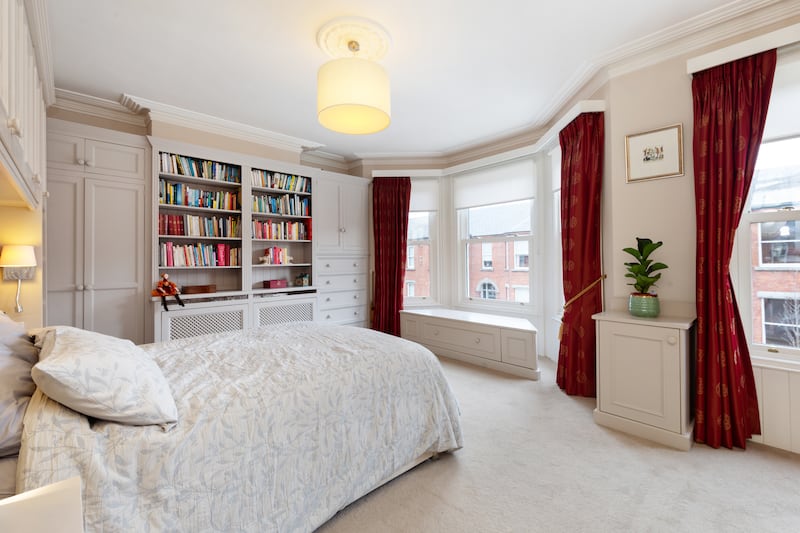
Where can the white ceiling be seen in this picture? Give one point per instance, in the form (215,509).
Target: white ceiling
(463,72)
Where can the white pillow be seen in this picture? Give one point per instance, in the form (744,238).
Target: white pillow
(103,377)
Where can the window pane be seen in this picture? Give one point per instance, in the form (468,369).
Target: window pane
(513,218)
(776,182)
(505,279)
(418,256)
(779,242)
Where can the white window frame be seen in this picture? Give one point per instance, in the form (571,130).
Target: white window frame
(410,264)
(516,265)
(469,300)
(410,288)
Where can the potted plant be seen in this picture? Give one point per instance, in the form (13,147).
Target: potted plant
(644,272)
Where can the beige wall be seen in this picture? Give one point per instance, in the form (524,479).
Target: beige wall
(170,131)
(662,209)
(19,225)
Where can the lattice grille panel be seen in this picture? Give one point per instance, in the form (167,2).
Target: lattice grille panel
(183,326)
(278,314)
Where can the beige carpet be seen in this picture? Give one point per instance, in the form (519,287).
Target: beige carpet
(534,460)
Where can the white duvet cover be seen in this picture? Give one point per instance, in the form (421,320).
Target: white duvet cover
(277,430)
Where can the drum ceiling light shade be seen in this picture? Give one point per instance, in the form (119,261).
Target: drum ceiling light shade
(353,91)
(353,96)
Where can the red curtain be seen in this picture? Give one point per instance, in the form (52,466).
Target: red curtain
(730,108)
(391,198)
(581,181)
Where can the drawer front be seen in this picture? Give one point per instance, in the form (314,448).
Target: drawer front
(341,265)
(480,341)
(343,315)
(342,282)
(333,300)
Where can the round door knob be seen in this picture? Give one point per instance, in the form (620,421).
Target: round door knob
(79,287)
(342,230)
(81,162)
(671,340)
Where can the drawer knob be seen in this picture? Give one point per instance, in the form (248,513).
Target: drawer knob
(477,340)
(436,332)
(671,340)
(355,265)
(355,297)
(328,299)
(327,265)
(355,280)
(328,317)
(355,313)
(327,282)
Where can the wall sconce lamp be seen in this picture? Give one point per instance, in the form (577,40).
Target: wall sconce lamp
(19,263)
(353,94)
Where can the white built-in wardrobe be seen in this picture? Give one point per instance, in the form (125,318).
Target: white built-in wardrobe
(96,229)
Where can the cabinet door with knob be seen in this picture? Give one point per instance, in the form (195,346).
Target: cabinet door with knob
(341,221)
(91,156)
(643,368)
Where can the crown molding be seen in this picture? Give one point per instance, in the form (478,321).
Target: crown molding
(96,107)
(200,121)
(36,12)
(314,158)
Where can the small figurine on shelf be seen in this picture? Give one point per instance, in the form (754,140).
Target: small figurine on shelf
(165,288)
(301,280)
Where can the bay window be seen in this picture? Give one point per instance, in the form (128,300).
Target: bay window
(494,210)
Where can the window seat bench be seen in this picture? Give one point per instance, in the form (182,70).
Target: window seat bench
(506,344)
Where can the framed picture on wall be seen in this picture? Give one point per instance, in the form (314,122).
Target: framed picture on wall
(654,154)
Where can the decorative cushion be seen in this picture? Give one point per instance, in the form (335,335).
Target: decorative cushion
(17,356)
(103,377)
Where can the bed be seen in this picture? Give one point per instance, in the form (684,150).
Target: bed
(274,429)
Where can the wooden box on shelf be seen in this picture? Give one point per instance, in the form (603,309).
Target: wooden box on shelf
(198,289)
(275,283)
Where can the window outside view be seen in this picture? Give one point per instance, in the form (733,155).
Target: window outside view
(418,255)
(497,251)
(774,218)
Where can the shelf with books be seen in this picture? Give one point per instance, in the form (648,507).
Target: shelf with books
(270,179)
(291,205)
(199,169)
(198,237)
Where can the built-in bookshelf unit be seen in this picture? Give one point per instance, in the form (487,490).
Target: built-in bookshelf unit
(199,222)
(234,232)
(280,230)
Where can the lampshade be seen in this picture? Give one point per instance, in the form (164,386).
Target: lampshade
(17,256)
(353,96)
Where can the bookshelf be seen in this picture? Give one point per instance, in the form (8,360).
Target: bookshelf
(199,222)
(280,231)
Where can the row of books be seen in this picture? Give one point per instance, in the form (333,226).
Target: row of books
(278,180)
(287,204)
(282,229)
(198,255)
(200,168)
(275,255)
(183,194)
(198,226)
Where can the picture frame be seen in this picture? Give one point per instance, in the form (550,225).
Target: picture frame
(654,154)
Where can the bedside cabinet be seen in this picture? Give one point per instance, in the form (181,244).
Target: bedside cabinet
(644,368)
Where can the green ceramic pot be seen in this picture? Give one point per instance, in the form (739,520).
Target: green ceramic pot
(644,305)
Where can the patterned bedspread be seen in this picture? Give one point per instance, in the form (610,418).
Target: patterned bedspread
(278,429)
